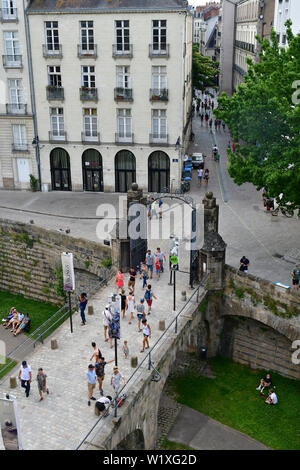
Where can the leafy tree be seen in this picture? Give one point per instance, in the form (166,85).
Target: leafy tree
(263,117)
(205,71)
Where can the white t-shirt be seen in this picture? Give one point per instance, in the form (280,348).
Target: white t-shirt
(274,398)
(25,372)
(200,172)
(104,400)
(107,317)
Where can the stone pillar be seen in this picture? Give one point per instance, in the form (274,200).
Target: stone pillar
(211,214)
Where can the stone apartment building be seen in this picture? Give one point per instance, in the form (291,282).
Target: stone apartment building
(17,154)
(113,92)
(285,10)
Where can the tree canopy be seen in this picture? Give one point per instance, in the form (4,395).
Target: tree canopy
(263,117)
(205,71)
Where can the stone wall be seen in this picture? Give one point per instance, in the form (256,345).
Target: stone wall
(30,257)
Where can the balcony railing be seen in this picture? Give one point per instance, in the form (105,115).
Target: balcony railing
(57,137)
(159,50)
(90,138)
(88,94)
(157,94)
(245,45)
(8,14)
(91,52)
(55,53)
(158,138)
(12,61)
(124,137)
(122,50)
(16,108)
(55,93)
(123,94)
(19,147)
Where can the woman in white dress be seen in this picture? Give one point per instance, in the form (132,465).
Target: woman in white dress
(130,307)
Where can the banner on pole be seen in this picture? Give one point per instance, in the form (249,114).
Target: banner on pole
(10,429)
(68,271)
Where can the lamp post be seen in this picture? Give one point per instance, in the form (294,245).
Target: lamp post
(36,143)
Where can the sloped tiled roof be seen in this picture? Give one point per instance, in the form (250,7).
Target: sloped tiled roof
(103,5)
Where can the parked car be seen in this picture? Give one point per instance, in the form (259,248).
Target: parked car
(198,160)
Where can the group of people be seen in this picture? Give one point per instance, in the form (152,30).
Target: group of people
(25,377)
(203,174)
(16,321)
(267,383)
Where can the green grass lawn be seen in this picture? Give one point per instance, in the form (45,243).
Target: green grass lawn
(11,366)
(231,399)
(38,312)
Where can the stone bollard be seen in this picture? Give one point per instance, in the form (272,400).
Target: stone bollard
(90,310)
(183,296)
(161,325)
(13,381)
(54,344)
(133,361)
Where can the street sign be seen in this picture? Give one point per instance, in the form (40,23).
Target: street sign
(174,259)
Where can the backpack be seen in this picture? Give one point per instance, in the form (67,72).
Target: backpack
(148,294)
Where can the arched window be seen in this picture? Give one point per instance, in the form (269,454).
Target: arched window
(158,171)
(92,170)
(124,171)
(60,170)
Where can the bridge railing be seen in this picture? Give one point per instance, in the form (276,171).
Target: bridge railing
(140,369)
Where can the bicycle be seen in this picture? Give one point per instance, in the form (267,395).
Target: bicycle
(283,210)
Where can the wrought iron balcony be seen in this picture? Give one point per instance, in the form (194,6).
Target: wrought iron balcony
(159,50)
(123,94)
(90,138)
(159,94)
(60,136)
(16,108)
(8,14)
(12,61)
(122,50)
(19,147)
(88,94)
(55,93)
(85,53)
(124,137)
(52,53)
(158,139)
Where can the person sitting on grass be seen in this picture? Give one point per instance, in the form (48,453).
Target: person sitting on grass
(17,322)
(13,312)
(22,325)
(9,323)
(272,398)
(266,382)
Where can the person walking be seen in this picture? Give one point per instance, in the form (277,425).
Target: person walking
(140,313)
(144,274)
(160,203)
(130,307)
(200,174)
(91,376)
(96,353)
(206,176)
(201,118)
(132,278)
(149,262)
(161,256)
(107,318)
(116,379)
(296,277)
(123,303)
(149,298)
(153,209)
(42,383)
(147,335)
(120,280)
(82,303)
(99,369)
(25,375)
(157,268)
(125,349)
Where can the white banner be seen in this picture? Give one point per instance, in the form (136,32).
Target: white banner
(10,429)
(68,271)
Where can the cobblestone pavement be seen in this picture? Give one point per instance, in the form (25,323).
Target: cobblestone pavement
(63,418)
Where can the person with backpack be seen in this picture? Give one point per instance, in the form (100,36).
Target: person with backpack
(99,369)
(147,335)
(148,297)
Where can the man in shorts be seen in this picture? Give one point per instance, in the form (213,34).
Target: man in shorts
(296,277)
(148,297)
(140,313)
(102,404)
(200,173)
(91,376)
(132,276)
(149,262)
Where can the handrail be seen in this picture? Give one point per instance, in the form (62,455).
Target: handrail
(147,357)
(31,341)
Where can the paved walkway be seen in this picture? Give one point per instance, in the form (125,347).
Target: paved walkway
(200,432)
(63,419)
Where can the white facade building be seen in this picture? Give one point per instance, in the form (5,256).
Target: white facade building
(286,10)
(113,92)
(17,155)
